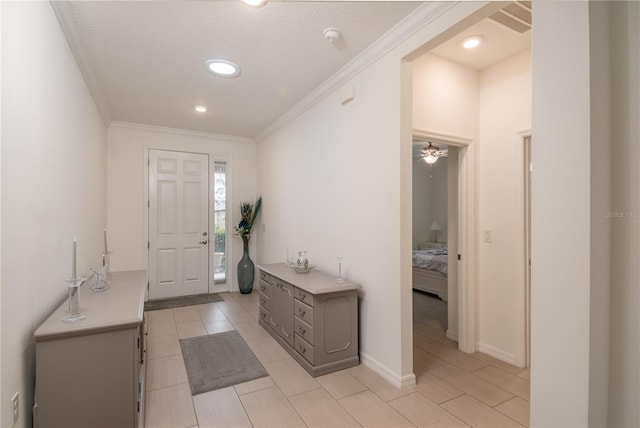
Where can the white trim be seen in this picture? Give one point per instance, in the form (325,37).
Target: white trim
(442,138)
(452,335)
(63,12)
(498,354)
(467,245)
(386,373)
(186,132)
(414,22)
(467,219)
(212,286)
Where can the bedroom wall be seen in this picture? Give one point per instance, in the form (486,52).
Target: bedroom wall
(421,190)
(429,201)
(505,111)
(126,183)
(438,178)
(53,170)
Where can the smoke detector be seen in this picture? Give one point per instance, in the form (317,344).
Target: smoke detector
(331,34)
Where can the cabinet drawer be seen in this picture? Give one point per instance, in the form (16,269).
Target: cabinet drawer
(304,348)
(304,312)
(264,301)
(263,287)
(264,315)
(264,276)
(304,296)
(304,330)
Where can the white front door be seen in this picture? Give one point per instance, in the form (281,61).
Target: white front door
(178,224)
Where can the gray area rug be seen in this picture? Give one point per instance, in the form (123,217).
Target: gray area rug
(218,360)
(175,302)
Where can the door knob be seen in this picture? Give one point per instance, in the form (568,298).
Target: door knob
(203,242)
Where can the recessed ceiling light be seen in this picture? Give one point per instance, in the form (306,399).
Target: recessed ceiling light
(200,109)
(255,3)
(472,42)
(223,68)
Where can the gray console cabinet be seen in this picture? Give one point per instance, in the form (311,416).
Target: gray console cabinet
(312,316)
(91,373)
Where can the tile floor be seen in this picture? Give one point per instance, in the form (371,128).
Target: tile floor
(453,389)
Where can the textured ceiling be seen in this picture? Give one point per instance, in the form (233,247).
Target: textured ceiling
(147,57)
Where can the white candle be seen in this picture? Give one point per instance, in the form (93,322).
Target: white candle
(105,242)
(73,261)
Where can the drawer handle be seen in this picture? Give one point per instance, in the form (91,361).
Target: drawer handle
(303,296)
(302,330)
(301,311)
(262,287)
(262,301)
(302,349)
(262,314)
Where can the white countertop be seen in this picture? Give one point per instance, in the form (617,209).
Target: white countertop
(121,304)
(314,282)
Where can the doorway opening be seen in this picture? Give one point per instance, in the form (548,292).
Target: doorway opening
(453,94)
(435,235)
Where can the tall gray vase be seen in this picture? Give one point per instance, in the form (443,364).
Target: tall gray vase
(246,268)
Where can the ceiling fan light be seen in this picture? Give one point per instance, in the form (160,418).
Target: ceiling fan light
(430,158)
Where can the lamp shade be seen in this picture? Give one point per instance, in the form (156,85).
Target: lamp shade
(435,225)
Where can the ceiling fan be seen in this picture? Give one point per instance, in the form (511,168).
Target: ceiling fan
(432,153)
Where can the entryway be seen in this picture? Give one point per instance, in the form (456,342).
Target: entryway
(178,223)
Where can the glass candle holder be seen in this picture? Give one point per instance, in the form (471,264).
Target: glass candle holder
(340,279)
(74,300)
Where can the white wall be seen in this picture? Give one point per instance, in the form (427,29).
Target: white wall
(600,76)
(331,187)
(560,289)
(53,170)
(624,389)
(127,181)
(439,212)
(429,201)
(445,97)
(505,111)
(421,191)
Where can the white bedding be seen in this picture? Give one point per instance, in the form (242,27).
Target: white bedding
(432,259)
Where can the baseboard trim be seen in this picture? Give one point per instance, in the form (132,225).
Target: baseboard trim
(452,336)
(497,353)
(390,376)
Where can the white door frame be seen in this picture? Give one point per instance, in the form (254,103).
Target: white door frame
(185,286)
(466,235)
(213,157)
(525,138)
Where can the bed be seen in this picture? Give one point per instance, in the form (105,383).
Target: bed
(430,271)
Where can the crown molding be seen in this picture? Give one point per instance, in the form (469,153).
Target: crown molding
(441,138)
(411,24)
(182,132)
(63,12)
